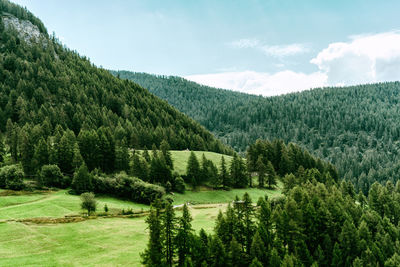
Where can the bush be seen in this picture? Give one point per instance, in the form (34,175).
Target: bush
(12,177)
(51,176)
(82,181)
(124,186)
(88,202)
(179,185)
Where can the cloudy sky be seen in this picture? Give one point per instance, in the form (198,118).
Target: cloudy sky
(266,47)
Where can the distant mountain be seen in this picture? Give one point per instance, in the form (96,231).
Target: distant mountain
(47,89)
(357,128)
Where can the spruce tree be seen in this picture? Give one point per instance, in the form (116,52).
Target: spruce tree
(41,155)
(217,253)
(184,236)
(82,181)
(258,249)
(224,175)
(261,168)
(169,231)
(164,147)
(77,160)
(193,170)
(153,255)
(271,175)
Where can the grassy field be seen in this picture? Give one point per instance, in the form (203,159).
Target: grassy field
(96,242)
(180,159)
(54,204)
(206,197)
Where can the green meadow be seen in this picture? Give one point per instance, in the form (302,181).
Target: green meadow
(94,242)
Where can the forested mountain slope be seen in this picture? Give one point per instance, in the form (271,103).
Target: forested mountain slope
(356,128)
(44,85)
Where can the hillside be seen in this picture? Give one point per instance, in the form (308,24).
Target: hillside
(356,128)
(45,86)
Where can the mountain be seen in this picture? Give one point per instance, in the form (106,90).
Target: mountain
(46,87)
(356,128)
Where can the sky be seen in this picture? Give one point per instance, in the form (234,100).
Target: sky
(263,47)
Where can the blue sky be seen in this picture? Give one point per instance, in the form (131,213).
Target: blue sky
(263,47)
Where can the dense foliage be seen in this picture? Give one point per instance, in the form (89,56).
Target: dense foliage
(355,128)
(314,224)
(127,187)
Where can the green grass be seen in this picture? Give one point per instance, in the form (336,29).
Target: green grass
(96,242)
(104,242)
(54,204)
(181,157)
(221,196)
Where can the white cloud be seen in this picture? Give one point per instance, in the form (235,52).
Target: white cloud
(284,50)
(270,50)
(245,43)
(364,59)
(266,84)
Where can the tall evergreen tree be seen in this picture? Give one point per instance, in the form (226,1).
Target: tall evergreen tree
(153,255)
(262,169)
(82,181)
(193,170)
(184,236)
(224,175)
(168,224)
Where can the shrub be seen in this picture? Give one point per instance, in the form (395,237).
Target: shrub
(179,185)
(124,186)
(88,202)
(51,176)
(12,177)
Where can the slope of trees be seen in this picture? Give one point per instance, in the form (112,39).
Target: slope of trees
(355,128)
(47,90)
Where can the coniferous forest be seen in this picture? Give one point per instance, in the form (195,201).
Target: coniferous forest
(355,128)
(101,167)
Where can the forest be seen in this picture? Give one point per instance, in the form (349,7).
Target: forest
(355,128)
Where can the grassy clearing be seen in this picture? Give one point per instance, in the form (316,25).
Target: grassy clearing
(220,196)
(55,204)
(181,157)
(100,242)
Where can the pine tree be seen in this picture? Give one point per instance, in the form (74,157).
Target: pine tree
(27,153)
(122,157)
(217,252)
(65,153)
(82,181)
(236,258)
(164,147)
(184,236)
(238,172)
(140,167)
(248,223)
(258,250)
(224,175)
(193,170)
(168,224)
(77,160)
(41,155)
(153,255)
(271,175)
(261,168)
